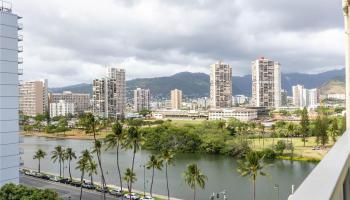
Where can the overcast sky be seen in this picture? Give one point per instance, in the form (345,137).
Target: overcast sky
(72,41)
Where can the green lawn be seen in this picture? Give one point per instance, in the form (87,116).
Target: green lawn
(300,151)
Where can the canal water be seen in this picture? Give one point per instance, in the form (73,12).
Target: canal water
(220,170)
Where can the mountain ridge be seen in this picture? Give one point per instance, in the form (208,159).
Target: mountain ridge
(197,84)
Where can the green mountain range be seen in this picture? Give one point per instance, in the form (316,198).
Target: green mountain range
(197,84)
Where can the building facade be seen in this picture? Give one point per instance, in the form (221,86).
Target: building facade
(109,94)
(176,99)
(81,101)
(284,98)
(61,108)
(242,114)
(9,96)
(266,83)
(220,85)
(142,99)
(303,97)
(34,97)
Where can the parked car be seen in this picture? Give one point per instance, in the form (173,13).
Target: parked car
(64,180)
(75,183)
(147,198)
(88,186)
(131,196)
(101,189)
(116,192)
(44,176)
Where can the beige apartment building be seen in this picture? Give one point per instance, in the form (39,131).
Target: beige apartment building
(141,99)
(266,83)
(81,101)
(220,85)
(34,97)
(176,99)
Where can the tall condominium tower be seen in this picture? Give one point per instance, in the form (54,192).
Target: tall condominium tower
(266,83)
(176,99)
(220,85)
(34,97)
(9,101)
(299,95)
(109,93)
(141,99)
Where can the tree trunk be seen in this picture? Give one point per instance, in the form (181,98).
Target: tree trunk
(120,176)
(39,166)
(81,184)
(60,168)
(91,180)
(167,182)
(100,165)
(70,174)
(132,166)
(152,182)
(194,191)
(253,189)
(63,169)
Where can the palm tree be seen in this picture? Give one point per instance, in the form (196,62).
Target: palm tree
(82,165)
(193,176)
(92,169)
(252,166)
(40,154)
(57,154)
(70,155)
(133,141)
(154,163)
(91,126)
(168,159)
(113,141)
(129,177)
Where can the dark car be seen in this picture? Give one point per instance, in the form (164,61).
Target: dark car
(44,176)
(64,180)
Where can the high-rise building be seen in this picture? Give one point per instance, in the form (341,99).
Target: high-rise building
(298,96)
(266,83)
(109,93)
(81,101)
(9,101)
(305,97)
(141,99)
(220,85)
(176,99)
(61,108)
(34,97)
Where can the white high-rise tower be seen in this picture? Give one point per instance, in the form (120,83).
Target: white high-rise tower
(266,83)
(9,94)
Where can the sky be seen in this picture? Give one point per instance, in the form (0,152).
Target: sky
(73,41)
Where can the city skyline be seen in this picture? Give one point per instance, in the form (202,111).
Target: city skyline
(270,29)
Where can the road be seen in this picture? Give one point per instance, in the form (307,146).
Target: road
(66,192)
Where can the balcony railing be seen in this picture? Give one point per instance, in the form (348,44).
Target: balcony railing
(20,60)
(20,71)
(20,26)
(330,180)
(20,38)
(20,48)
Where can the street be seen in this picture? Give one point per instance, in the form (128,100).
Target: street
(66,192)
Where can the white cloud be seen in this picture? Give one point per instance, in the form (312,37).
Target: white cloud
(71,42)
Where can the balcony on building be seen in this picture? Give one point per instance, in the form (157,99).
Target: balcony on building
(20,48)
(20,38)
(20,26)
(20,71)
(20,60)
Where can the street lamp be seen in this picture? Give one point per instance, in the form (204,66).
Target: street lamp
(277,188)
